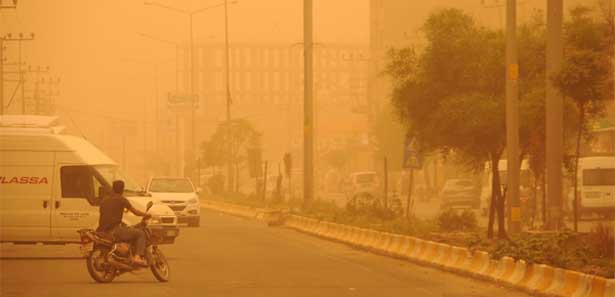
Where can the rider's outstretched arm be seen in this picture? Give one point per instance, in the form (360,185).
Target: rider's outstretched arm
(135,211)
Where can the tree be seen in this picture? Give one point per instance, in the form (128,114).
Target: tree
(211,155)
(586,75)
(450,95)
(230,143)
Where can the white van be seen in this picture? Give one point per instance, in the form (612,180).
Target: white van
(51,185)
(597,185)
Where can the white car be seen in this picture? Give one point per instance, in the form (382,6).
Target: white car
(180,195)
(362,188)
(51,185)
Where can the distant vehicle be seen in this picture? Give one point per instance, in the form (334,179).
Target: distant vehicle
(524,183)
(180,195)
(460,193)
(361,188)
(51,185)
(597,185)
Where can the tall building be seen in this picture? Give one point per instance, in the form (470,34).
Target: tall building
(266,86)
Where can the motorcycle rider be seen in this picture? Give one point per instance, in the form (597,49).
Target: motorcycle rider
(110,221)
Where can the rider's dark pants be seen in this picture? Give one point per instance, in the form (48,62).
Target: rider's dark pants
(132,235)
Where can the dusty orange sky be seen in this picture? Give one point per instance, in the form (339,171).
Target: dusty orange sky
(95,47)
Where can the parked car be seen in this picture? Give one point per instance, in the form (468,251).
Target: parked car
(51,185)
(362,188)
(460,193)
(180,195)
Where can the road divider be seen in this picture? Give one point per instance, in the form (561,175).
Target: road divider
(538,279)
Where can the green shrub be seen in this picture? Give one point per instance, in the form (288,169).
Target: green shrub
(451,221)
(602,238)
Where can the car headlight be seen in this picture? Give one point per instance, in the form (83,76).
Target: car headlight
(154,221)
(193,201)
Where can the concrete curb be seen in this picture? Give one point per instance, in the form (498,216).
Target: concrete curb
(538,279)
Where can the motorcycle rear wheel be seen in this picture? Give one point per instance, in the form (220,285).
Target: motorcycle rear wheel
(96,269)
(159,266)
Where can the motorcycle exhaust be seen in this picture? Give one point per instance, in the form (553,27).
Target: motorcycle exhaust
(118,264)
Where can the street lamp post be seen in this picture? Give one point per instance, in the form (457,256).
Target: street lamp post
(308,116)
(190,14)
(229,166)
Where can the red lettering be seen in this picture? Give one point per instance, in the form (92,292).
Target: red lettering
(34,180)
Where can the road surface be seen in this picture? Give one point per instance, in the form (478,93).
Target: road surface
(230,256)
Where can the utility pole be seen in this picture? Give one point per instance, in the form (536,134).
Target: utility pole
(157,113)
(20,83)
(228,98)
(1,75)
(2,6)
(37,81)
(386,183)
(308,116)
(192,95)
(21,80)
(50,93)
(554,114)
(512,118)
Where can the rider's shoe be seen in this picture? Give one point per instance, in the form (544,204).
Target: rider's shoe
(139,261)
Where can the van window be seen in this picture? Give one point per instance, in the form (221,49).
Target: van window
(76,182)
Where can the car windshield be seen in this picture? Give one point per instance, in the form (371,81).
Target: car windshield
(170,185)
(599,177)
(366,178)
(111,173)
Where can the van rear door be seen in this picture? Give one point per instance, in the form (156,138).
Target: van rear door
(74,206)
(25,196)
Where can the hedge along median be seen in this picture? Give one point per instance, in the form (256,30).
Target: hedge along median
(532,277)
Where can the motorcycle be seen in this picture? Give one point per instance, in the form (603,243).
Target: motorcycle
(107,258)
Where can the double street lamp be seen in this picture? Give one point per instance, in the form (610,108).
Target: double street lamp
(191,14)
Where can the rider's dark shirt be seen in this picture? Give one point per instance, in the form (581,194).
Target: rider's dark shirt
(111,211)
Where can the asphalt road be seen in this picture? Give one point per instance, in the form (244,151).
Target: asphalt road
(230,256)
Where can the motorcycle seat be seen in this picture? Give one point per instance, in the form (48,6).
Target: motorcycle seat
(105,236)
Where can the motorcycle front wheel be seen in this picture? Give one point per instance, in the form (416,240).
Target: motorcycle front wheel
(98,268)
(159,265)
